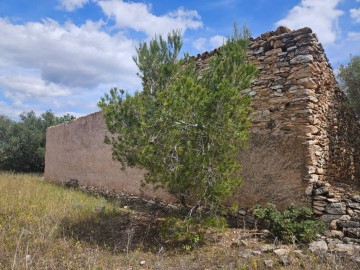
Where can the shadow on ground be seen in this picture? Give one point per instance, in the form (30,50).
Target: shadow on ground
(135,228)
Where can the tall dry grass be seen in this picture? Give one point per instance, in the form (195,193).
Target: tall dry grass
(33,217)
(45,226)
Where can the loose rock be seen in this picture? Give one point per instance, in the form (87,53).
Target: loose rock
(318,247)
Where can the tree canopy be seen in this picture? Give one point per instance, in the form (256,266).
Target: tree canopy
(350,78)
(187,126)
(22,143)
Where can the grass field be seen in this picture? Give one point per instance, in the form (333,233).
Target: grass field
(45,226)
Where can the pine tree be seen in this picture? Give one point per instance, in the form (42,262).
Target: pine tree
(187,126)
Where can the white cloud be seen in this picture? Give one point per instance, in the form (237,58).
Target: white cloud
(68,55)
(200,44)
(355,14)
(322,16)
(10,110)
(208,44)
(47,64)
(354,35)
(217,41)
(138,16)
(71,5)
(30,87)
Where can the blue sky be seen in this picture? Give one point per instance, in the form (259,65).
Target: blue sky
(64,55)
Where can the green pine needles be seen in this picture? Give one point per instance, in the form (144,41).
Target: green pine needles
(187,126)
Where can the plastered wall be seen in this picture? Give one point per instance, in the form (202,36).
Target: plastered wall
(76,150)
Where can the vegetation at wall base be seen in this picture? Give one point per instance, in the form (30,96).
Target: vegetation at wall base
(187,126)
(47,226)
(22,143)
(190,232)
(295,224)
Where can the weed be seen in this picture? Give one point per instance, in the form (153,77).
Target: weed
(295,224)
(190,231)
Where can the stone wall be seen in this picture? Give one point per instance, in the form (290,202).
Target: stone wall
(305,101)
(301,132)
(339,207)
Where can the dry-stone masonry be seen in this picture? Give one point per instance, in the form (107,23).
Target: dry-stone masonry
(303,137)
(296,94)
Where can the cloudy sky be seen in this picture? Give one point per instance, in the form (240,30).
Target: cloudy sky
(64,55)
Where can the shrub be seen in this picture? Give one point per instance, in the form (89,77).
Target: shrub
(295,224)
(191,231)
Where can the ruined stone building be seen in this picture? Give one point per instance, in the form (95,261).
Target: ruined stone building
(303,137)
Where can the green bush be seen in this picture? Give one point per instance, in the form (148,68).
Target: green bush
(215,223)
(295,224)
(191,231)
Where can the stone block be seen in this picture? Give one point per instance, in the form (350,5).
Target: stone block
(308,83)
(319,208)
(334,234)
(353,233)
(301,59)
(336,209)
(332,200)
(349,224)
(319,184)
(354,205)
(273,51)
(309,190)
(320,203)
(278,44)
(321,191)
(318,247)
(320,198)
(349,211)
(317,212)
(327,218)
(259,50)
(302,73)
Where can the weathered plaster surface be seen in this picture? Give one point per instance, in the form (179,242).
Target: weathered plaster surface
(76,150)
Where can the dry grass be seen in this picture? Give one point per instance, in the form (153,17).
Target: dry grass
(44,226)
